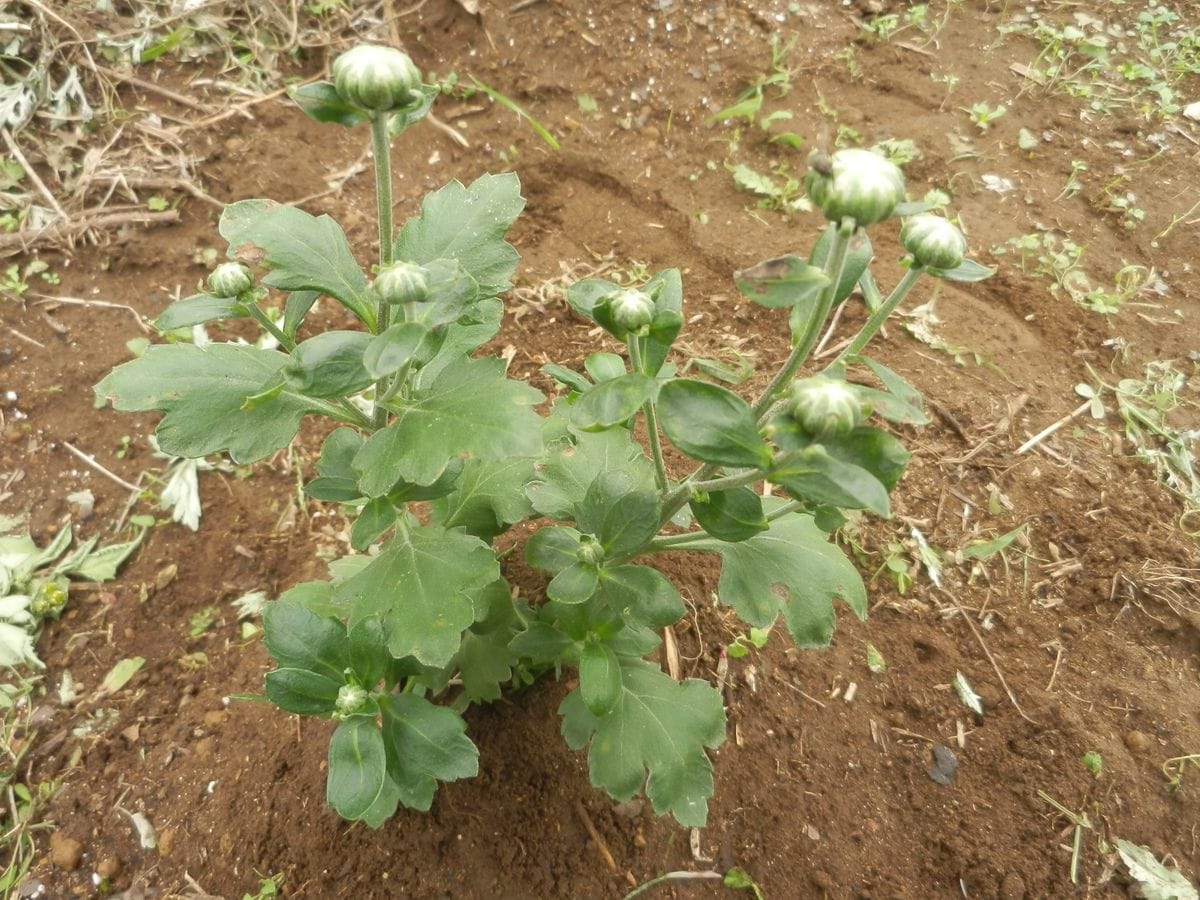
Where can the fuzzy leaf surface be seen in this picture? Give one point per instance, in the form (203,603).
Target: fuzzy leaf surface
(303,252)
(791,569)
(425,744)
(467,224)
(202,391)
(470,410)
(488,497)
(563,480)
(421,583)
(657,725)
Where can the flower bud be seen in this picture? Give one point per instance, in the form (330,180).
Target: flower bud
(230,279)
(857,184)
(350,699)
(378,78)
(825,407)
(934,242)
(632,309)
(49,601)
(590,551)
(402,282)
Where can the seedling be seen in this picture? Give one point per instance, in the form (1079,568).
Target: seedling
(983,114)
(436,452)
(756,638)
(1094,763)
(1175,768)
(201,621)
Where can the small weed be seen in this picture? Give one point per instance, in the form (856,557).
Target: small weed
(1073,187)
(983,114)
(1174,768)
(202,621)
(756,638)
(1094,763)
(1060,260)
(21,815)
(268,885)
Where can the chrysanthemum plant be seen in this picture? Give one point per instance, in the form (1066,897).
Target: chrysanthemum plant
(437,452)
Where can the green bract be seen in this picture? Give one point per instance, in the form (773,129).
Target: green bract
(934,242)
(377,78)
(826,407)
(855,184)
(402,282)
(437,452)
(230,279)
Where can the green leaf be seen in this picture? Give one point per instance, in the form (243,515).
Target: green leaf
(553,548)
(358,768)
(118,676)
(574,584)
(389,352)
(817,475)
(472,332)
(484,663)
(599,678)
(303,252)
(562,480)
(865,448)
(198,309)
(711,423)
(303,692)
(321,102)
(467,224)
(375,518)
(102,564)
(540,643)
(568,377)
(746,108)
(891,407)
(793,569)
(894,383)
(488,496)
(297,638)
(400,120)
(781,282)
(656,725)
(983,550)
(338,481)
(604,366)
(641,595)
(1154,880)
(297,307)
(629,522)
(421,583)
(470,410)
(666,288)
(968,271)
(329,364)
(858,258)
(452,294)
(733,515)
(202,392)
(426,744)
(612,403)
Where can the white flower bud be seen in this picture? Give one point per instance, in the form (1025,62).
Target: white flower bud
(632,309)
(826,407)
(378,78)
(350,700)
(402,282)
(230,279)
(934,242)
(857,184)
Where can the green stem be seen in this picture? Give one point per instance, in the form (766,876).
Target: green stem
(725,482)
(670,541)
(381,148)
(270,327)
(341,411)
(877,318)
(784,510)
(835,262)
(660,468)
(673,877)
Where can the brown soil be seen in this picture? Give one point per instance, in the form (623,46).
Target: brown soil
(816,796)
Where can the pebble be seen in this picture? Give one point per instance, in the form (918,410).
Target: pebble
(1137,741)
(166,841)
(214,718)
(65,852)
(1013,887)
(109,867)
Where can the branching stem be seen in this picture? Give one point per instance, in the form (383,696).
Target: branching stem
(879,317)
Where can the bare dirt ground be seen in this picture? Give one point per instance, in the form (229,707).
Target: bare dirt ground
(1082,638)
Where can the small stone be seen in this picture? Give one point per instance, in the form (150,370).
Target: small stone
(1013,887)
(166,841)
(65,852)
(205,748)
(1137,741)
(109,867)
(214,718)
